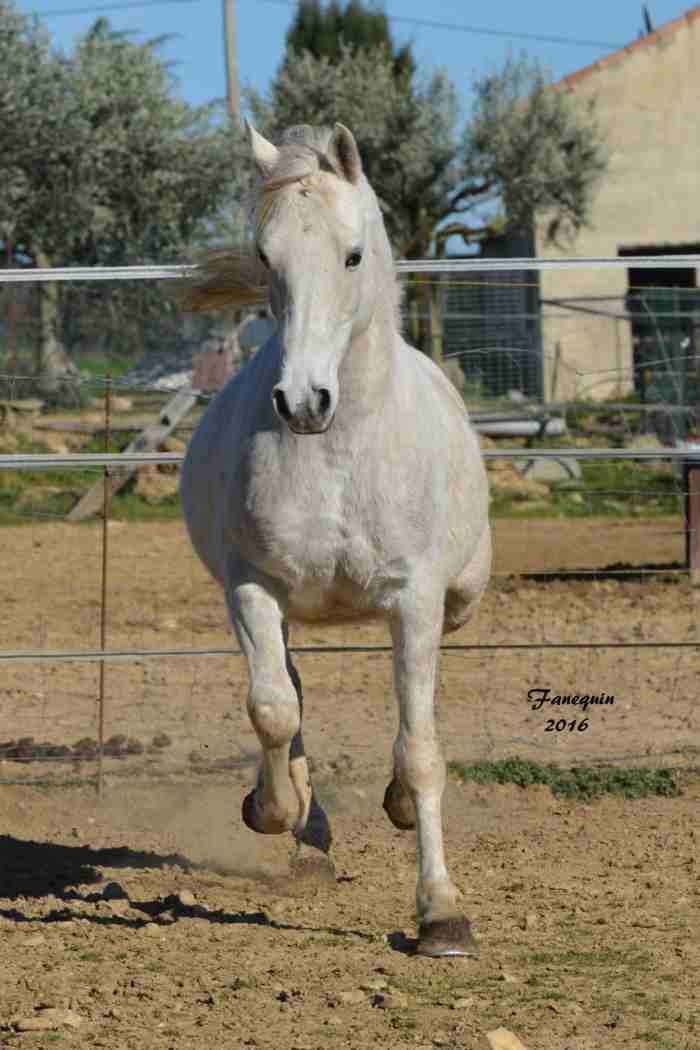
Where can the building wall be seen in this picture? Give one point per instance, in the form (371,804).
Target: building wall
(648,108)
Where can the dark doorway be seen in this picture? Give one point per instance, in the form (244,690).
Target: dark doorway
(664,309)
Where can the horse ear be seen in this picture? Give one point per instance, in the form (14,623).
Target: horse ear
(265,154)
(344,149)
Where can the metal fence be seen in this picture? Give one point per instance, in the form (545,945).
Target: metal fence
(115,642)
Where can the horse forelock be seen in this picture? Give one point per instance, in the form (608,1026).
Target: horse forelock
(299,162)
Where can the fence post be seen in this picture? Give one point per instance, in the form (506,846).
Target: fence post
(103,597)
(691,486)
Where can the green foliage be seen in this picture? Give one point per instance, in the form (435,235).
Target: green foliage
(102,164)
(581,782)
(323,31)
(535,147)
(607,488)
(406,134)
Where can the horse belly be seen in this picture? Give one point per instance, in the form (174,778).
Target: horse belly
(337,605)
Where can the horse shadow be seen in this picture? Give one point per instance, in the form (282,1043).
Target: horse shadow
(38,869)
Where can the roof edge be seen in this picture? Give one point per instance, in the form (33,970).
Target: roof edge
(665,30)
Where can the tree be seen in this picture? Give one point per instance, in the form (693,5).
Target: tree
(528,149)
(324,30)
(101,165)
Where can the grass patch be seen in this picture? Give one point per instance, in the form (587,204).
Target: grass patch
(608,488)
(580,782)
(28,496)
(99,366)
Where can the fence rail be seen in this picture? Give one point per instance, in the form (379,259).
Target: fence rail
(52,461)
(403,266)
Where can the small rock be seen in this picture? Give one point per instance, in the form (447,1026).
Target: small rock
(153,486)
(529,921)
(462,1004)
(187,899)
(33,941)
(508,978)
(393,1000)
(352,997)
(48,1020)
(502,1039)
(114,892)
(118,907)
(564,469)
(376,984)
(151,929)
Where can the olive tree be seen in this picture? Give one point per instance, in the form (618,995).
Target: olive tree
(102,164)
(527,149)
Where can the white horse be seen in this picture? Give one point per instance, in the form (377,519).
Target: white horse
(337,478)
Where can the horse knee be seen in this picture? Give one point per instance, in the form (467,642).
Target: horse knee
(274,712)
(419,763)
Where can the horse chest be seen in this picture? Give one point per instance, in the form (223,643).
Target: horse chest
(330,556)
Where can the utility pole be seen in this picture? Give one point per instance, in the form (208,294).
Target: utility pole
(233,88)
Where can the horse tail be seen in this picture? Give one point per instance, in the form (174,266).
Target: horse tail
(223,278)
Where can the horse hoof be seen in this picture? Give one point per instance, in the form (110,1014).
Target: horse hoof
(446,937)
(317,831)
(263,823)
(399,807)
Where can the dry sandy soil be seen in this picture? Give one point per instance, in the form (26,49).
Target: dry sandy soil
(588,913)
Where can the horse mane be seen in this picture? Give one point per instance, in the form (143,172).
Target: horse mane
(233,277)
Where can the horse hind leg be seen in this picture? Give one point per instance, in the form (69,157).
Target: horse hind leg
(465,592)
(312,828)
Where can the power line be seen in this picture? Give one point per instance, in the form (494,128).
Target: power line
(45,13)
(422,23)
(460,27)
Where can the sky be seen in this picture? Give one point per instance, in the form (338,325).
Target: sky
(196,48)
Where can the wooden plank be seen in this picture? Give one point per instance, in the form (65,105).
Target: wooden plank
(147,441)
(134,426)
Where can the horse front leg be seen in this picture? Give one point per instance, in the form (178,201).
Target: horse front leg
(282,798)
(416,791)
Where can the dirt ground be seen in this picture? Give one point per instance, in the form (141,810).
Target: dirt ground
(587,913)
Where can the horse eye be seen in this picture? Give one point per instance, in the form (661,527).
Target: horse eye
(353,260)
(263,259)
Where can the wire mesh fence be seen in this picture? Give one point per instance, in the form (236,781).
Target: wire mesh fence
(591,592)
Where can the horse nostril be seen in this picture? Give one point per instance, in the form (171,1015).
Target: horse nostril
(281,406)
(324,401)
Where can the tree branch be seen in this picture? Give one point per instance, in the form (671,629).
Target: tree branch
(467,233)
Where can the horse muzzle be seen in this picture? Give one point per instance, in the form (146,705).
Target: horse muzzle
(311,415)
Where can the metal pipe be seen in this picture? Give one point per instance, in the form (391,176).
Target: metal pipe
(477,264)
(47,461)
